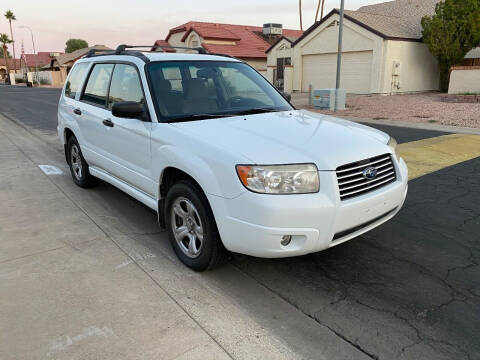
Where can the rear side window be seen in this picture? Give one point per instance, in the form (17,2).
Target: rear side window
(97,85)
(125,85)
(72,87)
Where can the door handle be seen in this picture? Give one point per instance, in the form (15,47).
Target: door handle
(108,122)
(77,111)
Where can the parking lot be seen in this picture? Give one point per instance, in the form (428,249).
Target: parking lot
(88,273)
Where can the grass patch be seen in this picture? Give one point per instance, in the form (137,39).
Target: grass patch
(432,121)
(380,118)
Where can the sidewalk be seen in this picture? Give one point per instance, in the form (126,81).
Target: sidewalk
(63,291)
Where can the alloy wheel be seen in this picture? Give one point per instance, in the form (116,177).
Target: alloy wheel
(187,227)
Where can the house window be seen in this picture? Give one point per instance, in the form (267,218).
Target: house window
(194,43)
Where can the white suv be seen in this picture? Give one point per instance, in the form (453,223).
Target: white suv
(226,161)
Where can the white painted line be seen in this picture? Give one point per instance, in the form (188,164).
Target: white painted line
(50,170)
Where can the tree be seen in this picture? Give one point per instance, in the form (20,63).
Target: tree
(322,3)
(11,17)
(4,39)
(300,13)
(75,44)
(451,33)
(1,53)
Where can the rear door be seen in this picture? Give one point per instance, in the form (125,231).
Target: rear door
(93,110)
(68,105)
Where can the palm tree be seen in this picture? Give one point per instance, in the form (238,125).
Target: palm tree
(4,39)
(322,2)
(300,13)
(11,17)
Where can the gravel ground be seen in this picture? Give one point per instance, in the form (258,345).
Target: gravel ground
(419,108)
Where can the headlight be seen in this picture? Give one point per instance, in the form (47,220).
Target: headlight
(280,179)
(392,144)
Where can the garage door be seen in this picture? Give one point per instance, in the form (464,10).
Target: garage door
(320,71)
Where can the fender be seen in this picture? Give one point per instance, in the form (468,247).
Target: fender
(165,156)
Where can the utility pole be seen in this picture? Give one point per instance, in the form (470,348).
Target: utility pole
(339,53)
(34,51)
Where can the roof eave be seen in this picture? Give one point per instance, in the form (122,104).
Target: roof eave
(277,42)
(355,21)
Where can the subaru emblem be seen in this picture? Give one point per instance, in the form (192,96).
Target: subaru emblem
(369,173)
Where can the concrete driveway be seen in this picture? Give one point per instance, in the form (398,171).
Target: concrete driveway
(88,274)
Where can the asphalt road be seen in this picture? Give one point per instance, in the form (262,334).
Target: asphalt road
(409,289)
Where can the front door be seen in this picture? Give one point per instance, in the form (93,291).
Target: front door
(120,147)
(128,140)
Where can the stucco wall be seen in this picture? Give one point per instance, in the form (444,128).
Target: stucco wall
(465,80)
(324,40)
(276,53)
(258,64)
(175,39)
(418,68)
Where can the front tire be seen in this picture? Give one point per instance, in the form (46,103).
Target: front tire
(191,227)
(78,166)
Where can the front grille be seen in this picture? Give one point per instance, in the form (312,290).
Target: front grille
(352,182)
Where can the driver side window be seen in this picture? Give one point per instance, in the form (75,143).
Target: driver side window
(125,85)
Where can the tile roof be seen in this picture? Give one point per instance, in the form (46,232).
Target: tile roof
(473,54)
(163,43)
(248,40)
(399,19)
(407,12)
(10,63)
(390,26)
(39,59)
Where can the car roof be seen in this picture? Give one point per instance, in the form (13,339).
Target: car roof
(158,56)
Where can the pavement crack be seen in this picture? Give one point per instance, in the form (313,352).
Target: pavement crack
(32,254)
(336,333)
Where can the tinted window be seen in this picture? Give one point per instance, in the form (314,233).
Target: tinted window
(97,85)
(189,90)
(125,85)
(75,80)
(171,72)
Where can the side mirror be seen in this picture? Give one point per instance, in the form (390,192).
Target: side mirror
(128,109)
(287,96)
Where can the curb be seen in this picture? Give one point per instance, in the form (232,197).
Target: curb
(423,126)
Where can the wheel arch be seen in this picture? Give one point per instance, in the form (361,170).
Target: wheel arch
(67,134)
(169,176)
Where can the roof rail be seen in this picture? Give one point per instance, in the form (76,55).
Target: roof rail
(124,50)
(93,52)
(123,47)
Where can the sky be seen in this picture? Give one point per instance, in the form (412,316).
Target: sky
(142,22)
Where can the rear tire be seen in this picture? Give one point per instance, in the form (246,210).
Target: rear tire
(78,166)
(191,227)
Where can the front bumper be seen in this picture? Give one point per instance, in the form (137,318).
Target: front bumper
(253,224)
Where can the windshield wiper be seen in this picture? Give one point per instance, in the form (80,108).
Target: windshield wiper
(254,111)
(193,117)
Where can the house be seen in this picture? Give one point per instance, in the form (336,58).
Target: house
(60,65)
(382,52)
(3,67)
(245,42)
(38,60)
(279,63)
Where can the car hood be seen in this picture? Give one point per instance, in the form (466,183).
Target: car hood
(290,137)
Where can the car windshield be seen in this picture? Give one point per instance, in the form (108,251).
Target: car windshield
(196,90)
